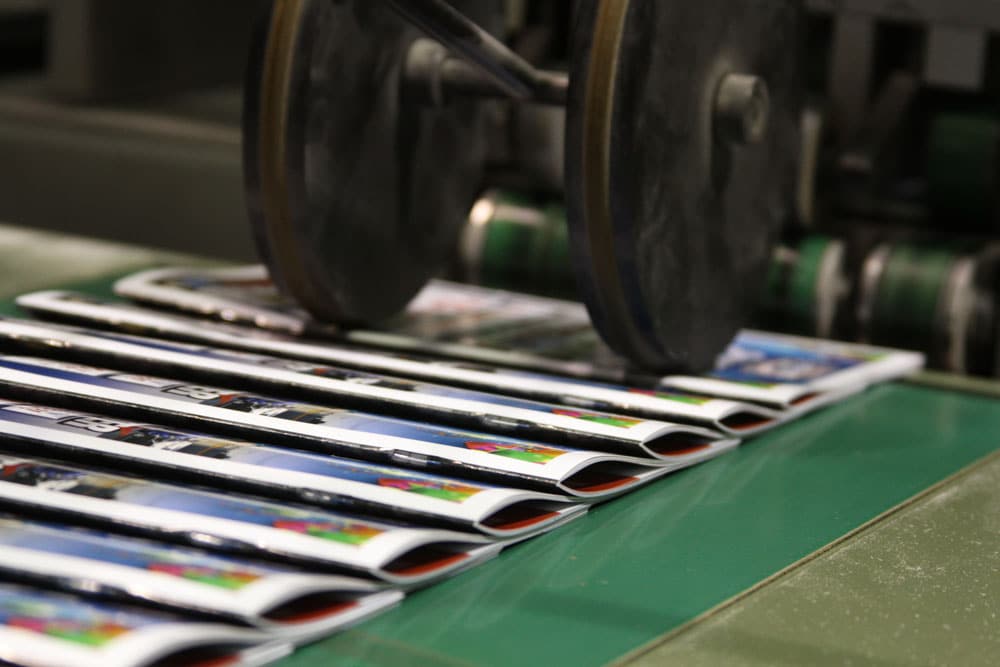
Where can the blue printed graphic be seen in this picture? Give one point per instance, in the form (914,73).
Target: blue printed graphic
(312,414)
(184,563)
(69,619)
(147,494)
(333,373)
(196,444)
(754,360)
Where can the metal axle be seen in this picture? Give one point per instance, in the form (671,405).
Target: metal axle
(512,75)
(485,67)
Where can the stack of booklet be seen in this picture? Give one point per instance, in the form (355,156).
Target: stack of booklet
(203,475)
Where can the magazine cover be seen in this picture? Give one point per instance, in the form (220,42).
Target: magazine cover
(286,474)
(798,373)
(291,606)
(723,415)
(309,538)
(344,388)
(44,629)
(326,481)
(326,429)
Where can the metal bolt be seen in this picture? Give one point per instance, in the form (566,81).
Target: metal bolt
(742,109)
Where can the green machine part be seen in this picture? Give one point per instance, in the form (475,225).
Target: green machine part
(906,300)
(939,300)
(963,165)
(511,242)
(806,287)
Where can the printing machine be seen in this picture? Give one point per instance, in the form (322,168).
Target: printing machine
(822,167)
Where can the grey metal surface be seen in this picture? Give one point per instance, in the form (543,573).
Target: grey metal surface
(980,14)
(21,6)
(358,193)
(956,57)
(166,177)
(851,59)
(119,49)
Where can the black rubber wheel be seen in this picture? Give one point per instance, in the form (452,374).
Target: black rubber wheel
(356,196)
(671,224)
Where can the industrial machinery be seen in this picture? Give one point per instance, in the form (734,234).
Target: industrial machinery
(366,144)
(819,167)
(892,239)
(665,146)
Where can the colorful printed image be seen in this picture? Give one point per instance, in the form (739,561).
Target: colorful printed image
(309,414)
(268,407)
(112,429)
(450,491)
(607,420)
(354,534)
(671,395)
(138,554)
(175,442)
(322,525)
(523,404)
(759,385)
(242,452)
(479,442)
(162,496)
(521,452)
(753,360)
(228,579)
(66,480)
(782,370)
(149,436)
(65,618)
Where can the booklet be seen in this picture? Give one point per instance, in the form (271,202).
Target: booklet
(340,391)
(342,388)
(524,331)
(260,529)
(335,482)
(44,629)
(332,483)
(581,474)
(798,373)
(291,606)
(790,356)
(437,321)
(723,415)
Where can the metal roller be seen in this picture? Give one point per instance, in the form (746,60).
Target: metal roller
(356,193)
(511,242)
(682,130)
(807,287)
(941,301)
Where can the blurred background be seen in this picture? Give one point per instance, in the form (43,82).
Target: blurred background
(120,120)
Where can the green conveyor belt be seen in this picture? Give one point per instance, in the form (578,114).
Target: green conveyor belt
(648,563)
(645,564)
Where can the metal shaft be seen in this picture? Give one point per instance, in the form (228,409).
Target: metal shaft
(515,76)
